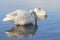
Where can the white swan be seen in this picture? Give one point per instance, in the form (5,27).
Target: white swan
(22,17)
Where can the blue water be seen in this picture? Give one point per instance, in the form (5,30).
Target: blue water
(48,29)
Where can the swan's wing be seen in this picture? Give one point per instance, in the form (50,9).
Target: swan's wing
(20,17)
(24,18)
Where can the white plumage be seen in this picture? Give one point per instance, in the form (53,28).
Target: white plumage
(20,17)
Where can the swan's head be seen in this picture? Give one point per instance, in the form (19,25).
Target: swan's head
(10,17)
(39,13)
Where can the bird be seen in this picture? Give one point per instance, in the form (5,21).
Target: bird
(22,17)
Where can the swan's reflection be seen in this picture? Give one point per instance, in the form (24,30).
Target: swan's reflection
(22,31)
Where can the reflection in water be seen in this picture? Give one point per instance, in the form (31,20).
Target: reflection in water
(22,31)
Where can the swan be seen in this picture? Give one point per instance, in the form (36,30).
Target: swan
(22,17)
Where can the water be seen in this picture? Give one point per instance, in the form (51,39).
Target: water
(48,29)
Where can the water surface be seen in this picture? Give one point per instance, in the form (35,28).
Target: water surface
(48,29)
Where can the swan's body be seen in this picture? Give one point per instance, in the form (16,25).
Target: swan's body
(22,17)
